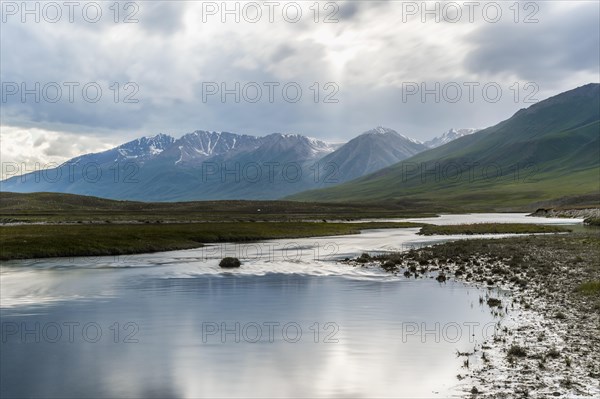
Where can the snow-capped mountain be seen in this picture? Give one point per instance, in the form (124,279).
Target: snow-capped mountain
(198,165)
(138,150)
(220,165)
(201,145)
(371,151)
(449,136)
(295,146)
(386,131)
(145,147)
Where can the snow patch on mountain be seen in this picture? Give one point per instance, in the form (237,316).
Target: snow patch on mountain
(383,131)
(201,145)
(449,136)
(307,146)
(145,147)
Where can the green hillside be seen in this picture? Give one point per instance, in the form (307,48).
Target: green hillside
(547,151)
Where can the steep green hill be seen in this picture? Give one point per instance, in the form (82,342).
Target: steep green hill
(547,151)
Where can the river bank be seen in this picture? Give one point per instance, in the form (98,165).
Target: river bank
(583,213)
(547,338)
(169,295)
(28,241)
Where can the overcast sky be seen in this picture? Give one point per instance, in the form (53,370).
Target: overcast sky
(358,64)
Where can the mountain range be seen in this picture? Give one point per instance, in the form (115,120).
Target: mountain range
(541,153)
(547,151)
(207,165)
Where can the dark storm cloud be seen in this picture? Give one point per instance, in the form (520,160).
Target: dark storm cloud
(349,9)
(555,47)
(161,17)
(283,52)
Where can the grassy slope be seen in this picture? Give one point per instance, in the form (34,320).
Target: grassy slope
(555,144)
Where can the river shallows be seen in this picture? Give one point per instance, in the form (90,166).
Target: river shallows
(290,322)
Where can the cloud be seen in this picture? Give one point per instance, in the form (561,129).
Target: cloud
(284,51)
(158,17)
(165,61)
(349,9)
(25,149)
(560,44)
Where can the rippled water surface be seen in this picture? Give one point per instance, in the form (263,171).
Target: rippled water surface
(290,322)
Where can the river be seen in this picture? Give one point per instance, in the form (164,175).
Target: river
(291,322)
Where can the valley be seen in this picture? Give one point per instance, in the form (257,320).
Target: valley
(337,199)
(546,152)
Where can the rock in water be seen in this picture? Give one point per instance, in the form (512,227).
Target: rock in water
(229,262)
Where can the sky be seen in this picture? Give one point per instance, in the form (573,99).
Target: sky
(85,78)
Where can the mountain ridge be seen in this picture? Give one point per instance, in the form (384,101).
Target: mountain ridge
(546,151)
(211,165)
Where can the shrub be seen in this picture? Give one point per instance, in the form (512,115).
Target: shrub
(389,266)
(561,316)
(364,258)
(229,262)
(494,302)
(553,353)
(592,221)
(517,351)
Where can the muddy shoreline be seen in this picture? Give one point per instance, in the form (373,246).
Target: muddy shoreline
(547,340)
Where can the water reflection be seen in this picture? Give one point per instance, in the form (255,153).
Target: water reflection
(366,349)
(392,337)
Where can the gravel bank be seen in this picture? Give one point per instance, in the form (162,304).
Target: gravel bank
(567,213)
(547,340)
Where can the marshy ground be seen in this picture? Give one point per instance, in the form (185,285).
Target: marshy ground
(66,240)
(489,228)
(27,240)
